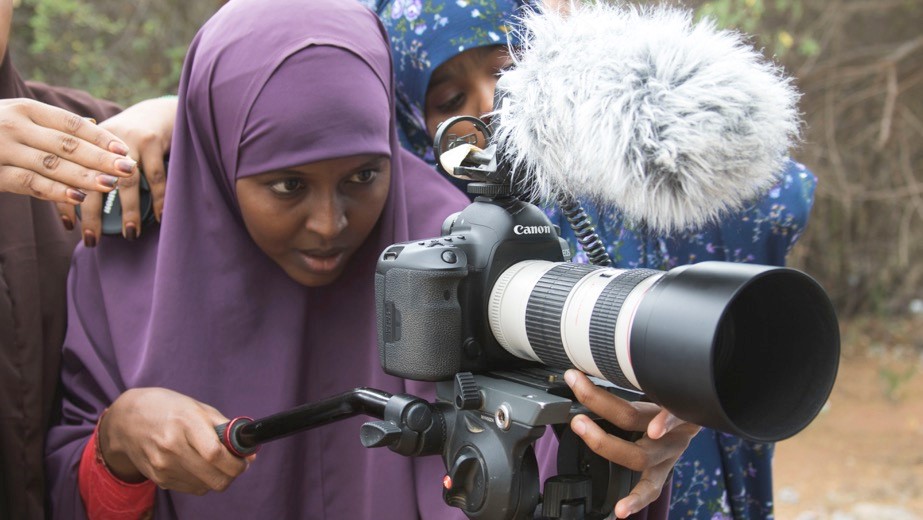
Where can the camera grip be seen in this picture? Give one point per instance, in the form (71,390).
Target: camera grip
(419,322)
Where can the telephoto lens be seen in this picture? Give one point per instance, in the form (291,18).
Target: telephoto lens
(745,349)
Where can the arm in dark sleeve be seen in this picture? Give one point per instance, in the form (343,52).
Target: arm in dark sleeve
(73,100)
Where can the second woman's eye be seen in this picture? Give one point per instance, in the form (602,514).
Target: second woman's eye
(287,186)
(453,104)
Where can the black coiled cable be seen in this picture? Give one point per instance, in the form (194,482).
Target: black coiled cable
(579,221)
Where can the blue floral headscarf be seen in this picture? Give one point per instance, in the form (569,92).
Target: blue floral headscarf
(425,34)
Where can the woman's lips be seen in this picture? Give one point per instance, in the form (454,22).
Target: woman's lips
(323,261)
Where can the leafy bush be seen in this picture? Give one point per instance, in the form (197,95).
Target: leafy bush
(123,51)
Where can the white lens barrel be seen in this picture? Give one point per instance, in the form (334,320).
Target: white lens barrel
(744,349)
(507,308)
(570,315)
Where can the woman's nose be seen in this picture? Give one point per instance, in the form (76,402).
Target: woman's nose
(326,217)
(486,101)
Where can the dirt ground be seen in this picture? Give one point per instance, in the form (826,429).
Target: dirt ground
(862,458)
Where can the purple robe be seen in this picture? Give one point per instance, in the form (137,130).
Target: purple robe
(198,308)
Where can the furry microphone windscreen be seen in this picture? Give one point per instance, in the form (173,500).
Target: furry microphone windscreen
(672,122)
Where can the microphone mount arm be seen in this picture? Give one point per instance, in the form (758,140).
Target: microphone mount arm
(456,154)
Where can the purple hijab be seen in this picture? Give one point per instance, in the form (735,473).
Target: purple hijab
(196,307)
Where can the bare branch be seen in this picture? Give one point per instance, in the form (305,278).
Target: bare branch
(874,5)
(888,112)
(905,49)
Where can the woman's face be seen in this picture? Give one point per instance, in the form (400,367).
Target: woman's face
(464,85)
(311,219)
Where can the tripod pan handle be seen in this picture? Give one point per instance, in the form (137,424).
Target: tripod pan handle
(228,433)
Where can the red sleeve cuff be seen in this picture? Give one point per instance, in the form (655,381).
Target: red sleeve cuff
(104,495)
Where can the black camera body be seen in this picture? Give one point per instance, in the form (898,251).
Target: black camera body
(432,294)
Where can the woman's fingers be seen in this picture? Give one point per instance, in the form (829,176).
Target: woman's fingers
(663,423)
(170,439)
(54,168)
(614,449)
(635,455)
(75,125)
(653,454)
(130,198)
(42,143)
(164,475)
(155,171)
(27,182)
(630,416)
(55,147)
(91,218)
(645,491)
(68,215)
(209,464)
(220,467)
(147,128)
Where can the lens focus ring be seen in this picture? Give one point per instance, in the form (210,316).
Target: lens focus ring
(543,313)
(602,324)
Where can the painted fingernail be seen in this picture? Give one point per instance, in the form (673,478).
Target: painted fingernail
(118,147)
(107,180)
(91,120)
(89,239)
(125,165)
(570,377)
(131,232)
(68,223)
(75,195)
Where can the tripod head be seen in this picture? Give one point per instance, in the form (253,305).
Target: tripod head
(484,427)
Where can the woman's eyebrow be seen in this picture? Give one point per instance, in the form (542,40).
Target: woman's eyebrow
(443,75)
(371,164)
(286,171)
(376,162)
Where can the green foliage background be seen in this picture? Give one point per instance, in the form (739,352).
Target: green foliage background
(122,51)
(859,64)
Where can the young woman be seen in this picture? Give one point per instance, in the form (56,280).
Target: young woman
(447,56)
(256,293)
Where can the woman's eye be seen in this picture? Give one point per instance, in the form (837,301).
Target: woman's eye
(453,104)
(364,177)
(287,186)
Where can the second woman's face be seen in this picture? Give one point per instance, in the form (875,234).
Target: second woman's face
(464,85)
(311,219)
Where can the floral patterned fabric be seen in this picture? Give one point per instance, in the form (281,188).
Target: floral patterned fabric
(720,476)
(425,34)
(762,234)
